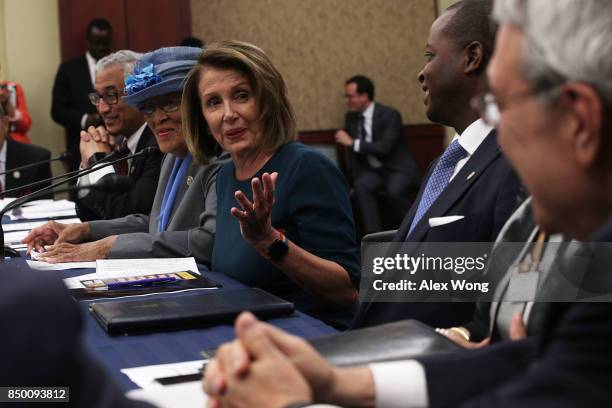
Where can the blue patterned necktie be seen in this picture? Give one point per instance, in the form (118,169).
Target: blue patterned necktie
(439,179)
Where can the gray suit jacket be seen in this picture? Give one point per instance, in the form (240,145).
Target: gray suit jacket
(191,229)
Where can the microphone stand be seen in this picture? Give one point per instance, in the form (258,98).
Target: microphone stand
(61,157)
(32,196)
(110,156)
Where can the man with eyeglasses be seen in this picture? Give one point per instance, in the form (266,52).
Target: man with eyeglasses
(128,122)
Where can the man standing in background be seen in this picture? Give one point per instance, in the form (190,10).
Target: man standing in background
(380,159)
(70,106)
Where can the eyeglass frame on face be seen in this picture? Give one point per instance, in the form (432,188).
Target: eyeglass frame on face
(169,106)
(109,98)
(489,109)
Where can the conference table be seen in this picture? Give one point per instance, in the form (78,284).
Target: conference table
(126,351)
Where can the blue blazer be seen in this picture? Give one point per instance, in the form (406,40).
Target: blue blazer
(486,191)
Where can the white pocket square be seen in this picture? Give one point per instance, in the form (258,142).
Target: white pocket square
(438,221)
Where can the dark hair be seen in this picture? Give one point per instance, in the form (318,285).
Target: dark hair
(472,22)
(364,85)
(99,23)
(192,42)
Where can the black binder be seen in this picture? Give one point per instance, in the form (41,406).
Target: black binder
(400,340)
(186,311)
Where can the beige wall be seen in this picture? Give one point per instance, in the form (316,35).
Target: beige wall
(30,55)
(317,44)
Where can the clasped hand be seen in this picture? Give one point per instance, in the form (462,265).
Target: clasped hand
(265,367)
(95,140)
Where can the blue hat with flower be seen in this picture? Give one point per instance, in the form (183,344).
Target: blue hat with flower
(159,72)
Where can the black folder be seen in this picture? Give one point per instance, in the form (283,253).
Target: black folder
(187,311)
(400,340)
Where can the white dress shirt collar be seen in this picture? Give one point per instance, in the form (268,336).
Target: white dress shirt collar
(91,65)
(473,136)
(368,114)
(470,139)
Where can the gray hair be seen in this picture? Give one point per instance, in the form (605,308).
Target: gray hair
(565,40)
(122,57)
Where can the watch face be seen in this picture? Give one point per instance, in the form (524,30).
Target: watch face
(278,249)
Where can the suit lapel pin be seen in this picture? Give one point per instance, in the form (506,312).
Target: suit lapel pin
(16,175)
(472,174)
(189,180)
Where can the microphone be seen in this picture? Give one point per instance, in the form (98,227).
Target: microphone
(34,195)
(62,157)
(111,183)
(144,152)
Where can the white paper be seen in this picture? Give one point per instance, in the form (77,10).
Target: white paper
(145,376)
(45,266)
(125,268)
(46,209)
(184,395)
(14,237)
(33,215)
(6,201)
(27,226)
(438,221)
(114,268)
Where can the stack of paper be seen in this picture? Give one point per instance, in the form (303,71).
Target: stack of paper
(188,394)
(146,376)
(44,209)
(116,268)
(185,395)
(28,226)
(46,266)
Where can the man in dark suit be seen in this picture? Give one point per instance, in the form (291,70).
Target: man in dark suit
(379,157)
(120,119)
(15,154)
(74,80)
(551,137)
(471,190)
(41,344)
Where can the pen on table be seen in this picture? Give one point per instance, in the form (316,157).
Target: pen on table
(140,282)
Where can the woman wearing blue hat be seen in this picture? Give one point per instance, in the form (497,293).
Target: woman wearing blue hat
(283,210)
(182,220)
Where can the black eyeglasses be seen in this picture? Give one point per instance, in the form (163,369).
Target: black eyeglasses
(110,98)
(167,106)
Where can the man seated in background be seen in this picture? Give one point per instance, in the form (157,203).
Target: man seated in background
(15,154)
(379,157)
(183,219)
(123,120)
(552,102)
